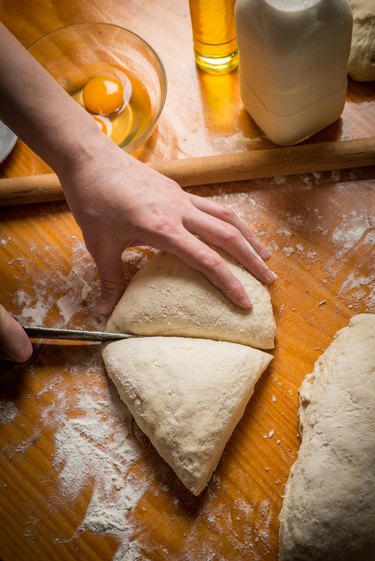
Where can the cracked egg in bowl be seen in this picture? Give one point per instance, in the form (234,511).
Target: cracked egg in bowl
(112,73)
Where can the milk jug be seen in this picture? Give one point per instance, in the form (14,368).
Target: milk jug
(293,58)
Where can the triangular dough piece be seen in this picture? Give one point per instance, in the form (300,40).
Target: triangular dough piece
(187,396)
(167,297)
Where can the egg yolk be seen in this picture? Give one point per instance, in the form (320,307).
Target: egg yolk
(103,95)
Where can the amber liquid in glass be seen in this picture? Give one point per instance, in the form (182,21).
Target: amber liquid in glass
(215,46)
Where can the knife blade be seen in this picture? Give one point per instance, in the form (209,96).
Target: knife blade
(37,332)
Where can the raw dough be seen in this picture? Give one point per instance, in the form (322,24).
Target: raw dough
(166,297)
(187,395)
(361,64)
(328,512)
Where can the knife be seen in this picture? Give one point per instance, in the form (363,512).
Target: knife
(73,334)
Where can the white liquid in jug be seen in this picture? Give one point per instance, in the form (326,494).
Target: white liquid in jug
(293,64)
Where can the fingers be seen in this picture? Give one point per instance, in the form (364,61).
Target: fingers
(199,256)
(224,235)
(14,343)
(110,271)
(227,215)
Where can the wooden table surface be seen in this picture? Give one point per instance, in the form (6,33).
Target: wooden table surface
(78,481)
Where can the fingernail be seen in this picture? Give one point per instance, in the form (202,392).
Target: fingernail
(245,302)
(108,300)
(270,276)
(265,253)
(23,352)
(104,307)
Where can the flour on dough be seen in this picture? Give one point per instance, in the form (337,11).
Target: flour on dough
(186,395)
(167,297)
(328,512)
(361,64)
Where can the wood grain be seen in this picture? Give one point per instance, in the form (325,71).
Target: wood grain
(221,168)
(320,226)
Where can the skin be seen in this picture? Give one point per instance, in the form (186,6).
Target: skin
(116,200)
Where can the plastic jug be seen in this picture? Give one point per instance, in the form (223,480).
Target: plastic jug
(293,64)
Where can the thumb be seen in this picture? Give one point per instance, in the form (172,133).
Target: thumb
(111,275)
(14,343)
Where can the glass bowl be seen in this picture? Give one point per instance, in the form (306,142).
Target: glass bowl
(78,52)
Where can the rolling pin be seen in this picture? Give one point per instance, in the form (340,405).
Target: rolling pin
(238,166)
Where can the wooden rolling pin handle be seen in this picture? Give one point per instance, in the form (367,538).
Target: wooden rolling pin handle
(270,162)
(222,168)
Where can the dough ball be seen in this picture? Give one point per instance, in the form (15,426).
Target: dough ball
(361,64)
(328,513)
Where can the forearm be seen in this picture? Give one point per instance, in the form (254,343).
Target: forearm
(37,109)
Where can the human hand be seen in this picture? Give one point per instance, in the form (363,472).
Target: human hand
(14,343)
(118,202)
